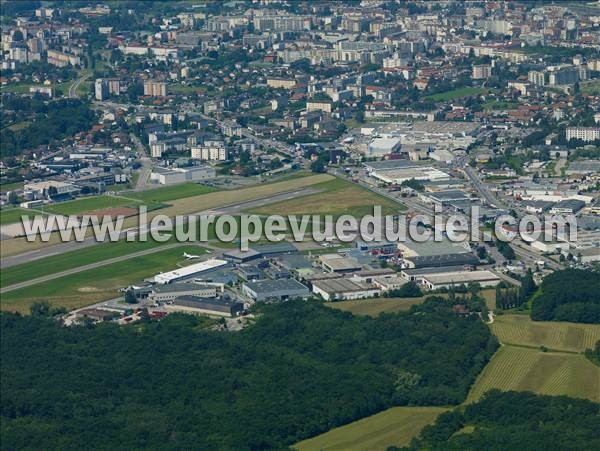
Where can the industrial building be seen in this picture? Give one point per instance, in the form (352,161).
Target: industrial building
(98,315)
(205,306)
(383,146)
(429,248)
(399,175)
(238,256)
(567,206)
(170,176)
(260,251)
(168,292)
(188,272)
(338,263)
(437,281)
(343,289)
(441,261)
(275,290)
(444,198)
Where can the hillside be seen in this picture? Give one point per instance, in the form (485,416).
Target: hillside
(302,369)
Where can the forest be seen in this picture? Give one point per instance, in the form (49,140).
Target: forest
(569,295)
(300,370)
(56,120)
(515,420)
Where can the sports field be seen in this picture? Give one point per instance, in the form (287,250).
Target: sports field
(547,373)
(87,287)
(521,330)
(338,197)
(395,426)
(456,93)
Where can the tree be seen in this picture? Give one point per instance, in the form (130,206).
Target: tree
(40,308)
(12,198)
(528,286)
(318,166)
(130,297)
(481,252)
(395,359)
(408,290)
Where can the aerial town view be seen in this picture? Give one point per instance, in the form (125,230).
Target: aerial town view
(367,225)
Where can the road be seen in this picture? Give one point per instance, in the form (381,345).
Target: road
(61,248)
(482,190)
(525,253)
(142,182)
(560,164)
(75,85)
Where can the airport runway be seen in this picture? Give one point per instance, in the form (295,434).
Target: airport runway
(110,261)
(235,208)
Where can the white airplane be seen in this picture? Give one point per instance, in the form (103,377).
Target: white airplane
(190,256)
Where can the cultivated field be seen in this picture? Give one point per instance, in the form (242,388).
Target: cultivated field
(521,330)
(87,287)
(395,426)
(548,373)
(339,197)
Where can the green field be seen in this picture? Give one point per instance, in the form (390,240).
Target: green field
(499,105)
(11,215)
(88,204)
(168,193)
(5,187)
(456,93)
(395,426)
(590,87)
(176,88)
(547,373)
(73,259)
(373,307)
(338,197)
(87,287)
(522,331)
(186,205)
